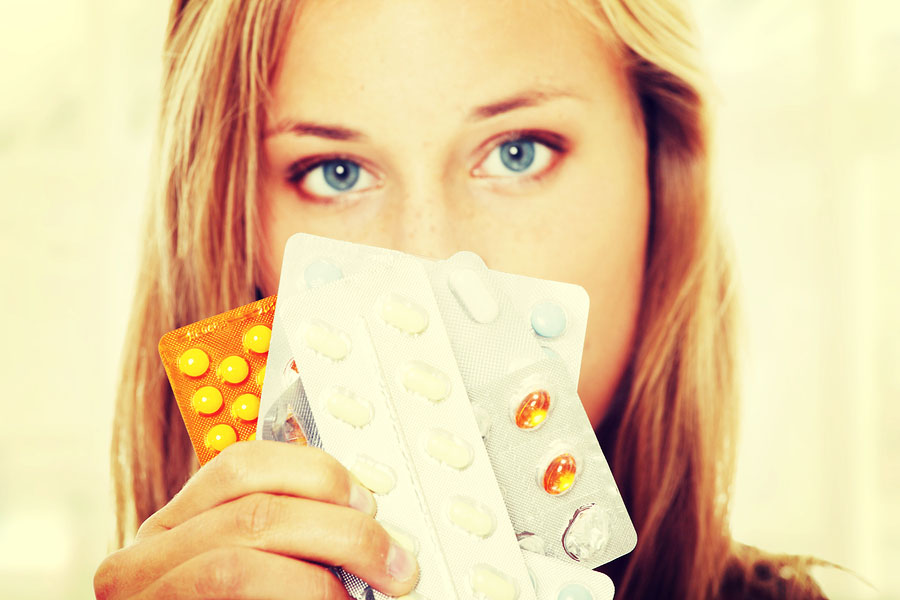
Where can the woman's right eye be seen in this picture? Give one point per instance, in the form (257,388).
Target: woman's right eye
(328,180)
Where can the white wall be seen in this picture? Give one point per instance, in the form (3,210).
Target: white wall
(807,154)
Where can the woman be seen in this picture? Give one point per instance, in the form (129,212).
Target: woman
(557,139)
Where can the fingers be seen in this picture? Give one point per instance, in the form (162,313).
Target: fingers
(263,466)
(245,574)
(295,527)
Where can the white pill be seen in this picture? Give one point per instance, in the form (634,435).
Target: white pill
(374,475)
(405,540)
(490,584)
(326,341)
(471,517)
(473,295)
(404,314)
(425,381)
(348,407)
(445,447)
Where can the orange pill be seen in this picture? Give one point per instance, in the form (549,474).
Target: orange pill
(559,475)
(532,410)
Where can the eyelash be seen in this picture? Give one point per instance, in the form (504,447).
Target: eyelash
(300,169)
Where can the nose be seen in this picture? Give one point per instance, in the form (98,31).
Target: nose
(426,219)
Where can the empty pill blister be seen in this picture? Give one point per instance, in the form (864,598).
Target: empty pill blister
(557,580)
(559,491)
(346,400)
(214,368)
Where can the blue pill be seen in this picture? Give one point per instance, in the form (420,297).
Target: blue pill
(574,591)
(548,319)
(320,272)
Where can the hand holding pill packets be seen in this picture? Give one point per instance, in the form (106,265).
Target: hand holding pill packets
(421,376)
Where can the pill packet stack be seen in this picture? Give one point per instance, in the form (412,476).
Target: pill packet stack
(493,339)
(515,350)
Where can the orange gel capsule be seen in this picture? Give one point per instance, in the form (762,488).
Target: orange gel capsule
(532,410)
(559,475)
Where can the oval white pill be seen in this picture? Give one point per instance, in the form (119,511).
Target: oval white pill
(348,407)
(473,295)
(376,476)
(326,341)
(425,381)
(405,540)
(404,314)
(445,447)
(471,517)
(489,584)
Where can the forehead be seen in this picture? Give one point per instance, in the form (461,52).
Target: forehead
(433,58)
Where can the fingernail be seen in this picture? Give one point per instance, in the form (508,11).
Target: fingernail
(401,563)
(362,499)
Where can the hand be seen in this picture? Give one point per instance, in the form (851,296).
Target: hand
(259,521)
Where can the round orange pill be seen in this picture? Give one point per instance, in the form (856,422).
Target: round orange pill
(193,362)
(207,400)
(220,437)
(246,407)
(257,339)
(559,474)
(233,369)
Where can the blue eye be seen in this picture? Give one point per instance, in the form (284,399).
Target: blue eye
(522,155)
(333,177)
(517,155)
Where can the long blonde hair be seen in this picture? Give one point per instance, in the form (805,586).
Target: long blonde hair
(672,432)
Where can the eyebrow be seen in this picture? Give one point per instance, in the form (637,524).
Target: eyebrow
(526,98)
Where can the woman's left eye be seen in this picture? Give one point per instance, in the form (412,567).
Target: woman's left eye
(524,155)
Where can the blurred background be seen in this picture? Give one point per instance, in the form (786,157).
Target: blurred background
(807,154)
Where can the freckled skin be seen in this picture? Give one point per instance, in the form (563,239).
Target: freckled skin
(406,73)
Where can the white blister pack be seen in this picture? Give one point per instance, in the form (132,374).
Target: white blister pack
(353,417)
(557,580)
(560,493)
(442,437)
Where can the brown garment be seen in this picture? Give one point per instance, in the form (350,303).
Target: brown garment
(755,575)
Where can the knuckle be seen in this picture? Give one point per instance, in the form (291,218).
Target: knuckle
(365,536)
(221,573)
(331,477)
(254,514)
(229,467)
(106,578)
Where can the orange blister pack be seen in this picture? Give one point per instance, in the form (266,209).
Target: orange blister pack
(216,368)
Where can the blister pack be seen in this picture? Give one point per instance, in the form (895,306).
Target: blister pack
(559,490)
(414,384)
(216,368)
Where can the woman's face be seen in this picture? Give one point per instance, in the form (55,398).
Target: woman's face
(502,128)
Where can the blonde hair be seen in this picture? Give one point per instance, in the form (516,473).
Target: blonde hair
(671,435)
